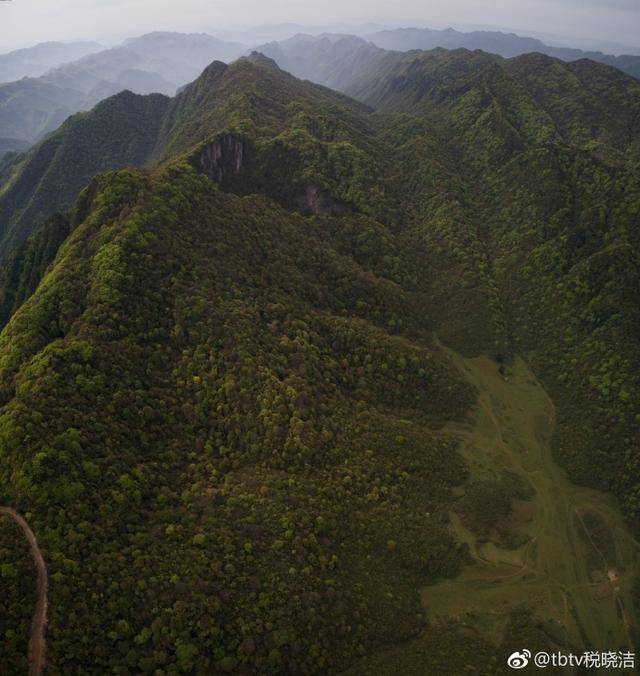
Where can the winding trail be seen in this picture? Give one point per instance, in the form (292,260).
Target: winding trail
(37,642)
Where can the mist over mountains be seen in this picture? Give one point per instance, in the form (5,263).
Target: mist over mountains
(37,60)
(495,42)
(162,62)
(158,62)
(328,58)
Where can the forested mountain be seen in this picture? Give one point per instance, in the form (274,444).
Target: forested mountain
(119,131)
(494,42)
(361,69)
(533,99)
(129,129)
(37,60)
(154,63)
(162,62)
(235,383)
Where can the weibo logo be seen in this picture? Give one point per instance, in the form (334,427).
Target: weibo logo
(519,660)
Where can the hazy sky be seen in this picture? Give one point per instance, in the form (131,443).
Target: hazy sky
(25,22)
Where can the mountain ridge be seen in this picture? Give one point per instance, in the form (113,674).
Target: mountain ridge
(496,42)
(21,204)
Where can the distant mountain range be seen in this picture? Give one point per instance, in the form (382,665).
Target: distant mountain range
(158,62)
(163,62)
(334,59)
(258,35)
(329,59)
(495,42)
(37,60)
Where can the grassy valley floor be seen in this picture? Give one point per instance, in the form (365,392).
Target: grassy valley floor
(558,554)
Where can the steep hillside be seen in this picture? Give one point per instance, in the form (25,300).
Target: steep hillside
(26,266)
(172,301)
(119,131)
(529,100)
(290,399)
(589,103)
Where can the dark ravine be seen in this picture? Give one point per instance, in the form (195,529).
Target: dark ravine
(37,641)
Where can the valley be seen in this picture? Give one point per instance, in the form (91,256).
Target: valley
(550,569)
(571,556)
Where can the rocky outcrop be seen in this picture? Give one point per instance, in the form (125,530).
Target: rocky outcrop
(223,158)
(319,202)
(230,162)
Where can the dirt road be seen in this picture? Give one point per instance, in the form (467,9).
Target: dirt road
(37,643)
